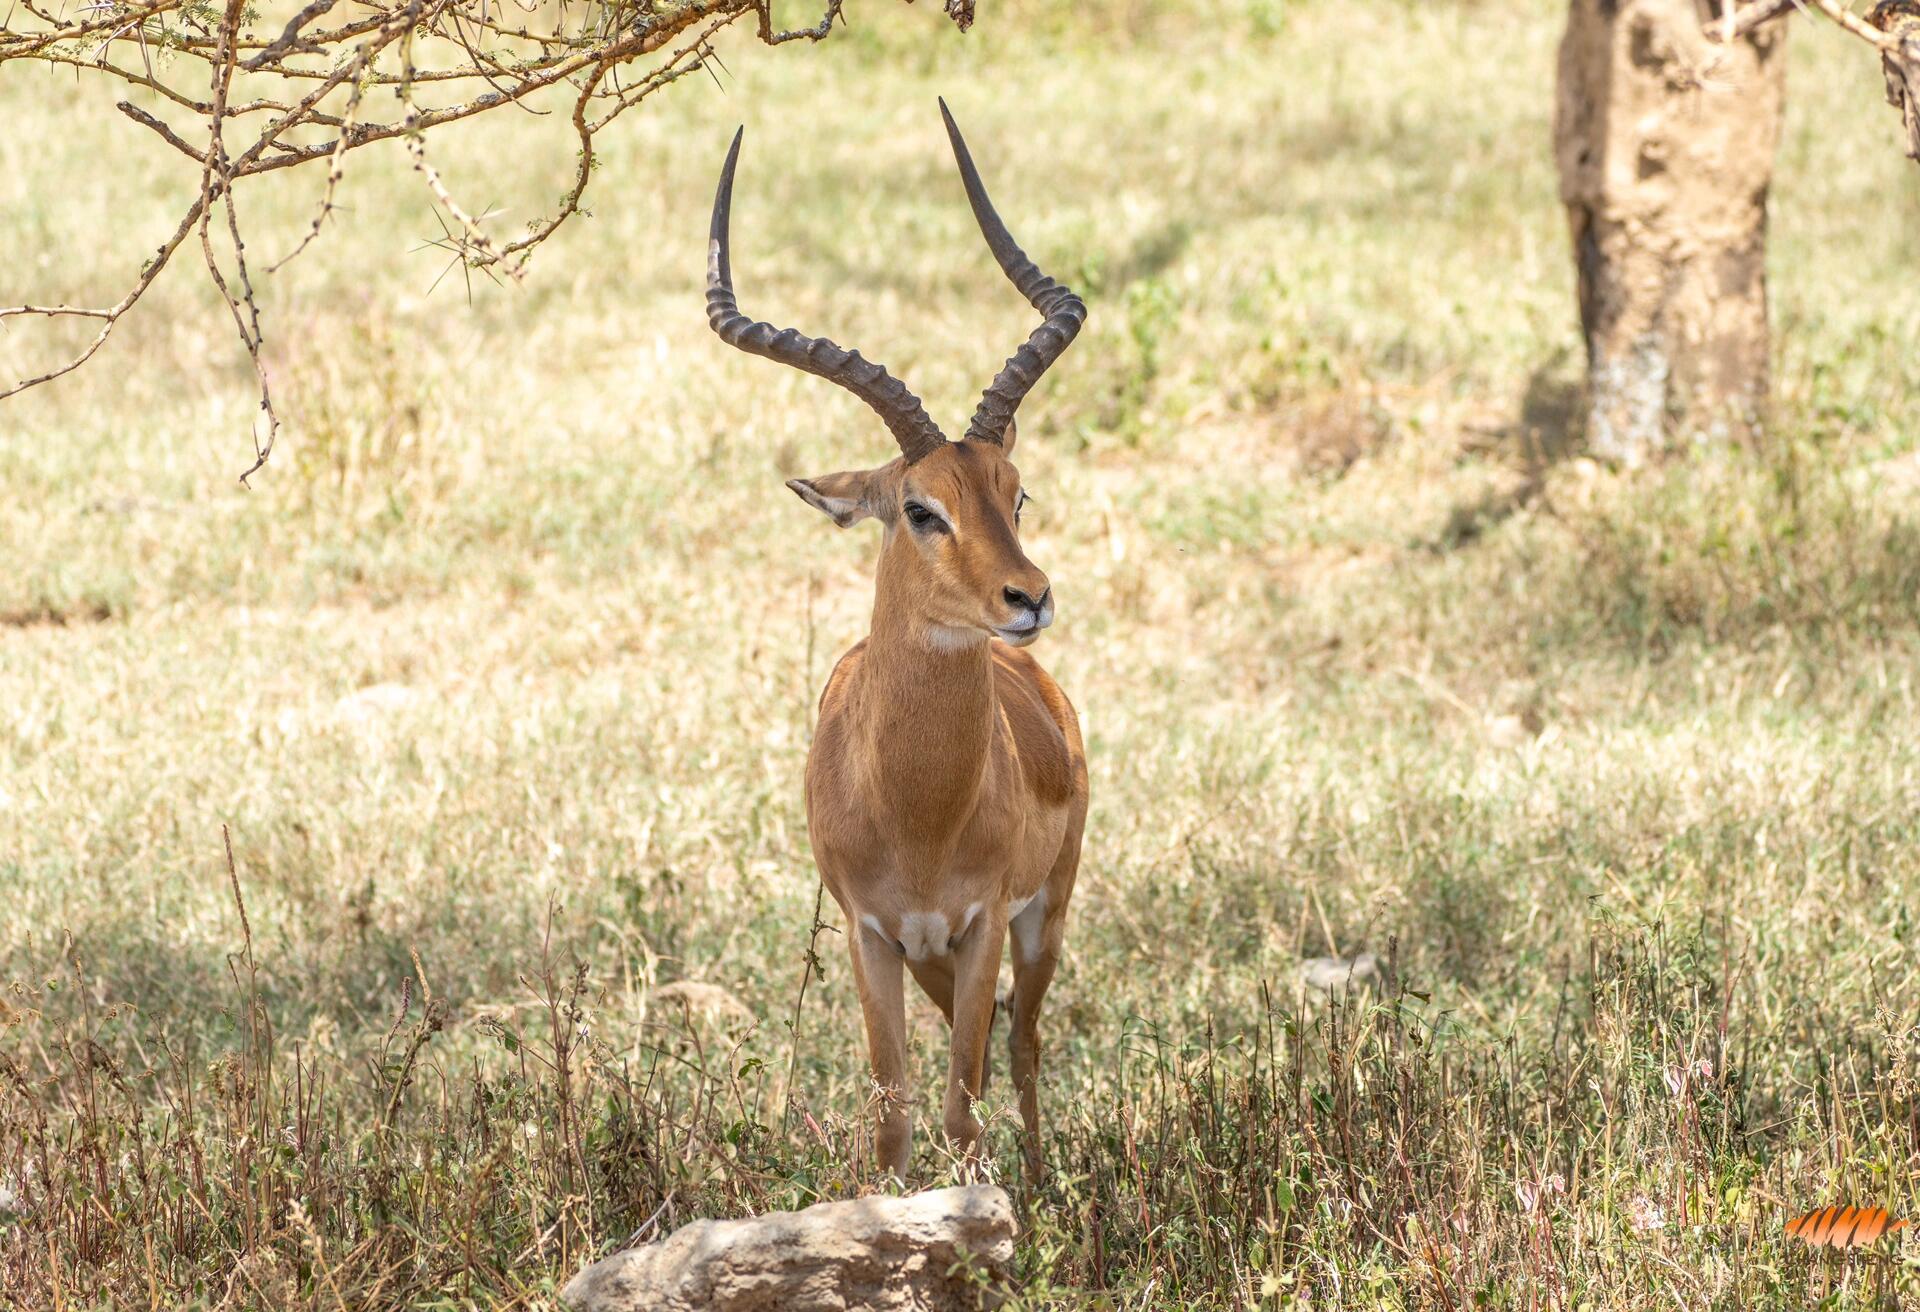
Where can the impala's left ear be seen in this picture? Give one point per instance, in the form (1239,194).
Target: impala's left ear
(845,497)
(1008,438)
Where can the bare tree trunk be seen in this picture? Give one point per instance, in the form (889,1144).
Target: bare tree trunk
(1665,141)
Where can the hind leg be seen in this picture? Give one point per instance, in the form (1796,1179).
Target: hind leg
(1039,935)
(935,978)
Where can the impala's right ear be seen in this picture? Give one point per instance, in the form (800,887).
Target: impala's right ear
(844,497)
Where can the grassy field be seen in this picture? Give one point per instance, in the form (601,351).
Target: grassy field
(501,680)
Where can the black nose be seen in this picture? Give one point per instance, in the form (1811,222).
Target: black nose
(1015,597)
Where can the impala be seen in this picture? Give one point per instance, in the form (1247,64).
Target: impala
(947,784)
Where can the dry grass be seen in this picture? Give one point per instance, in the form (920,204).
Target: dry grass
(501,680)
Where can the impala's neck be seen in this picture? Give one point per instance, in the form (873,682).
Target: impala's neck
(927,709)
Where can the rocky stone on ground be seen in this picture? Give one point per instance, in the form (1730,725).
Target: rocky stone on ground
(945,1250)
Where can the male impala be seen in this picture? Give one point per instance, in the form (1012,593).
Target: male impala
(947,786)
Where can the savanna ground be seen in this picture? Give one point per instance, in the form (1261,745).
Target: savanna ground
(501,680)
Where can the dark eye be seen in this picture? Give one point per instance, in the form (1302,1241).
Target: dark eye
(1020,505)
(919,516)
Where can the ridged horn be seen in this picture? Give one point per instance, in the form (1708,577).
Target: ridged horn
(901,410)
(1062,311)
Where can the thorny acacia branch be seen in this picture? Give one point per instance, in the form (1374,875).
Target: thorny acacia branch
(240,94)
(1892,27)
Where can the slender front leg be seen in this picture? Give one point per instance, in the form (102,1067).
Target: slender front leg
(976,971)
(883,1003)
(936,979)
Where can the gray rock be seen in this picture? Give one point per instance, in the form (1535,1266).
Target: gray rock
(1335,974)
(886,1254)
(1507,731)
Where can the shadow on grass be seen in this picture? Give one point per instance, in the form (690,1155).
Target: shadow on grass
(1546,432)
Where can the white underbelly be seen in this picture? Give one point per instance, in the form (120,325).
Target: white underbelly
(926,934)
(1027,922)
